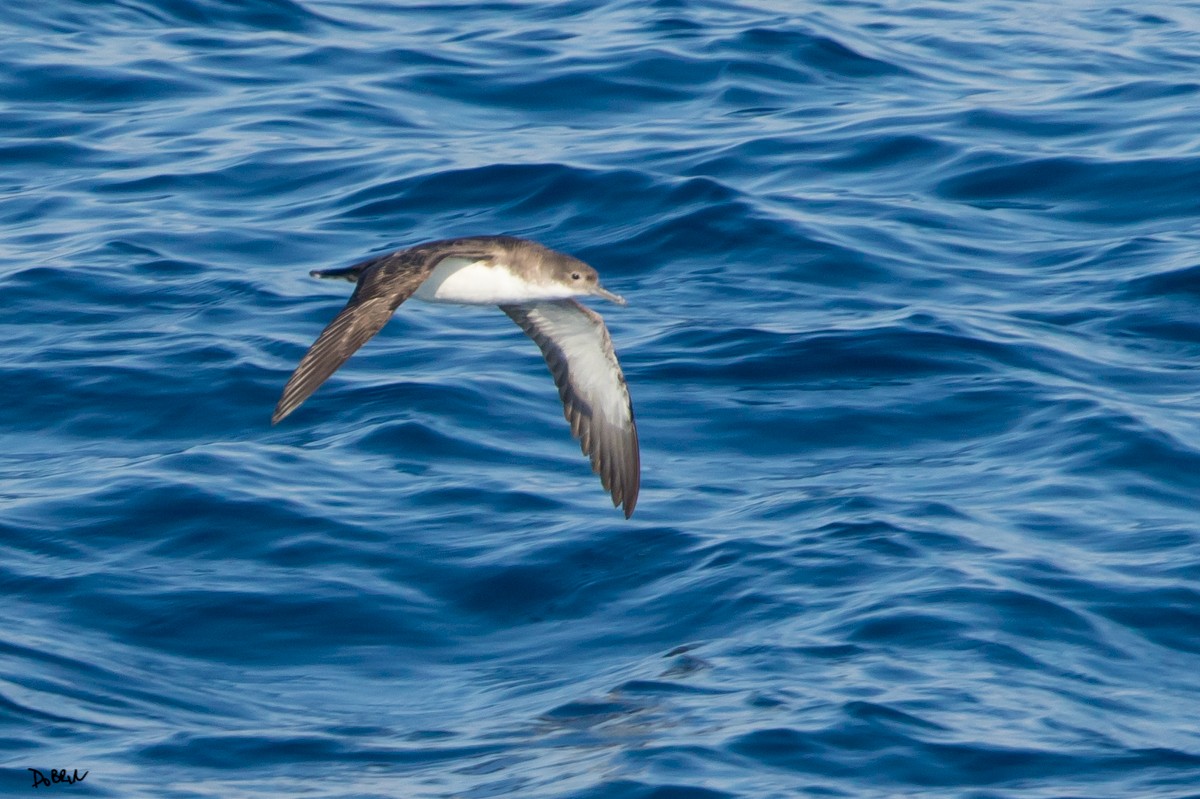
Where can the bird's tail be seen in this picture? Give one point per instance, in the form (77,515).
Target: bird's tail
(348,273)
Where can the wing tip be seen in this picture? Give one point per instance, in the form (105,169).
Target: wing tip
(629,494)
(284,408)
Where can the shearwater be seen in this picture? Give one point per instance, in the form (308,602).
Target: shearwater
(536,287)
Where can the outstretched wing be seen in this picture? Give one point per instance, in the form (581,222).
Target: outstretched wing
(579,352)
(358,321)
(381,285)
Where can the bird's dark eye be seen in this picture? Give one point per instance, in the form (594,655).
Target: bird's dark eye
(574,275)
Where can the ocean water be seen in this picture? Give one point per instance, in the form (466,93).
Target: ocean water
(913,341)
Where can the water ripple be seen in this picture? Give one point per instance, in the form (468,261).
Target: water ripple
(912,344)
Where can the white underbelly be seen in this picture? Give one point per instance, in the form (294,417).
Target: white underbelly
(469,282)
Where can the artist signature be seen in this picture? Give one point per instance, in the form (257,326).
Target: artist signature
(56,776)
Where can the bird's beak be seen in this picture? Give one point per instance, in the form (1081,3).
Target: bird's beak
(600,291)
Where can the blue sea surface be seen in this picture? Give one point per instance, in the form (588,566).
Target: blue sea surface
(913,342)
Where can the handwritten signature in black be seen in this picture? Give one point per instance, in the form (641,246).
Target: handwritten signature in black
(56,776)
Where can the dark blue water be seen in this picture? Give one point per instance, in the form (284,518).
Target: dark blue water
(913,341)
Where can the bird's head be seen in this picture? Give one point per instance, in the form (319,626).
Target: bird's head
(581,279)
